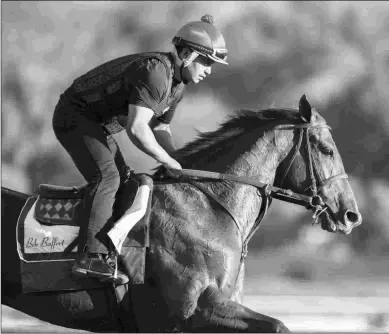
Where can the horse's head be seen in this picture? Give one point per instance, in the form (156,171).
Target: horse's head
(314,167)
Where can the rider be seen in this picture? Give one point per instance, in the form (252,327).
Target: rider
(144,89)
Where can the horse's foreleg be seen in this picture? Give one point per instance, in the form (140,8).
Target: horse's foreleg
(216,313)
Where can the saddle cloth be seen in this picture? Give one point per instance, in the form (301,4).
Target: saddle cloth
(48,227)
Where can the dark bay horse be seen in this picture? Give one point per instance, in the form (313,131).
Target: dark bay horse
(200,228)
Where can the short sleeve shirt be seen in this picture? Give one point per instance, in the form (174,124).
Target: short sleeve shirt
(144,79)
(154,88)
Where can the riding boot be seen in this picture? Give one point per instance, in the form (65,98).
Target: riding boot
(100,266)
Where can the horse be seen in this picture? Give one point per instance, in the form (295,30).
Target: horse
(201,221)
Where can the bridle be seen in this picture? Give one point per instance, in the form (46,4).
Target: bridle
(313,201)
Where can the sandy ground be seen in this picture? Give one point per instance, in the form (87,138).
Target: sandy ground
(299,313)
(325,313)
(13,321)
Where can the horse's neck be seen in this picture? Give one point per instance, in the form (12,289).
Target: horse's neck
(259,163)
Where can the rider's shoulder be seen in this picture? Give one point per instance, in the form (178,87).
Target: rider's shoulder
(159,62)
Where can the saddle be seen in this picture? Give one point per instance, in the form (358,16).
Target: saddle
(59,205)
(54,191)
(48,229)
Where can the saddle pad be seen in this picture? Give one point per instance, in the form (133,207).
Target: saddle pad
(39,242)
(58,211)
(48,252)
(44,266)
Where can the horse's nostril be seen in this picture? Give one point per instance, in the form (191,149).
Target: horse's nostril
(352,217)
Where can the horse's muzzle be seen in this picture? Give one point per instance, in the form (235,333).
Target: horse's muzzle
(351,219)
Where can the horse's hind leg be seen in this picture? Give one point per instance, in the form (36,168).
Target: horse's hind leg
(216,313)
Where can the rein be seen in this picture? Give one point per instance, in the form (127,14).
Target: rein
(269,190)
(313,201)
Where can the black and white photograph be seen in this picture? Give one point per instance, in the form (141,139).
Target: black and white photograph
(195,166)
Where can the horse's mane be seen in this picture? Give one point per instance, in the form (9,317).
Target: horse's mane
(243,121)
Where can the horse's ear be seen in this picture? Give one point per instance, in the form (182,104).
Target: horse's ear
(305,109)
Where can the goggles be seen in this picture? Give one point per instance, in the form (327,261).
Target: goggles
(219,54)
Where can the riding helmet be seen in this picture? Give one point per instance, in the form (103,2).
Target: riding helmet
(203,38)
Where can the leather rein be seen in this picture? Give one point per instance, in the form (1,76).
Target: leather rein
(313,201)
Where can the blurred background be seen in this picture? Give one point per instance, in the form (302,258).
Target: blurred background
(335,52)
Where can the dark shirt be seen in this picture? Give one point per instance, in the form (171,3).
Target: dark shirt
(144,79)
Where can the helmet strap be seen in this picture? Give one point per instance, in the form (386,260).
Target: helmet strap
(181,74)
(187,61)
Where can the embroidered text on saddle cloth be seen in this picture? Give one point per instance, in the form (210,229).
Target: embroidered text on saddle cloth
(36,238)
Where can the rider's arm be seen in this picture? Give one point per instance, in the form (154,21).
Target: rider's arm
(148,87)
(163,135)
(161,127)
(140,133)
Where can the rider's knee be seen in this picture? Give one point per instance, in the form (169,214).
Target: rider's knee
(111,178)
(107,178)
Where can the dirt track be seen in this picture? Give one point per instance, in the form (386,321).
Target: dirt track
(325,313)
(299,313)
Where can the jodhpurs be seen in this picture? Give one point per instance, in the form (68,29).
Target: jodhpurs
(98,158)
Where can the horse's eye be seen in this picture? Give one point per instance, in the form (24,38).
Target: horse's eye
(328,151)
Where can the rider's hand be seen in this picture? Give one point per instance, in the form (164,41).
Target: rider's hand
(172,164)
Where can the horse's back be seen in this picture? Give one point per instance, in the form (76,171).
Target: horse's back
(12,203)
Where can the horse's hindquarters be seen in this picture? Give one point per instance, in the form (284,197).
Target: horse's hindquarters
(92,310)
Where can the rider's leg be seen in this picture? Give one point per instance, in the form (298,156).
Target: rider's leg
(94,153)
